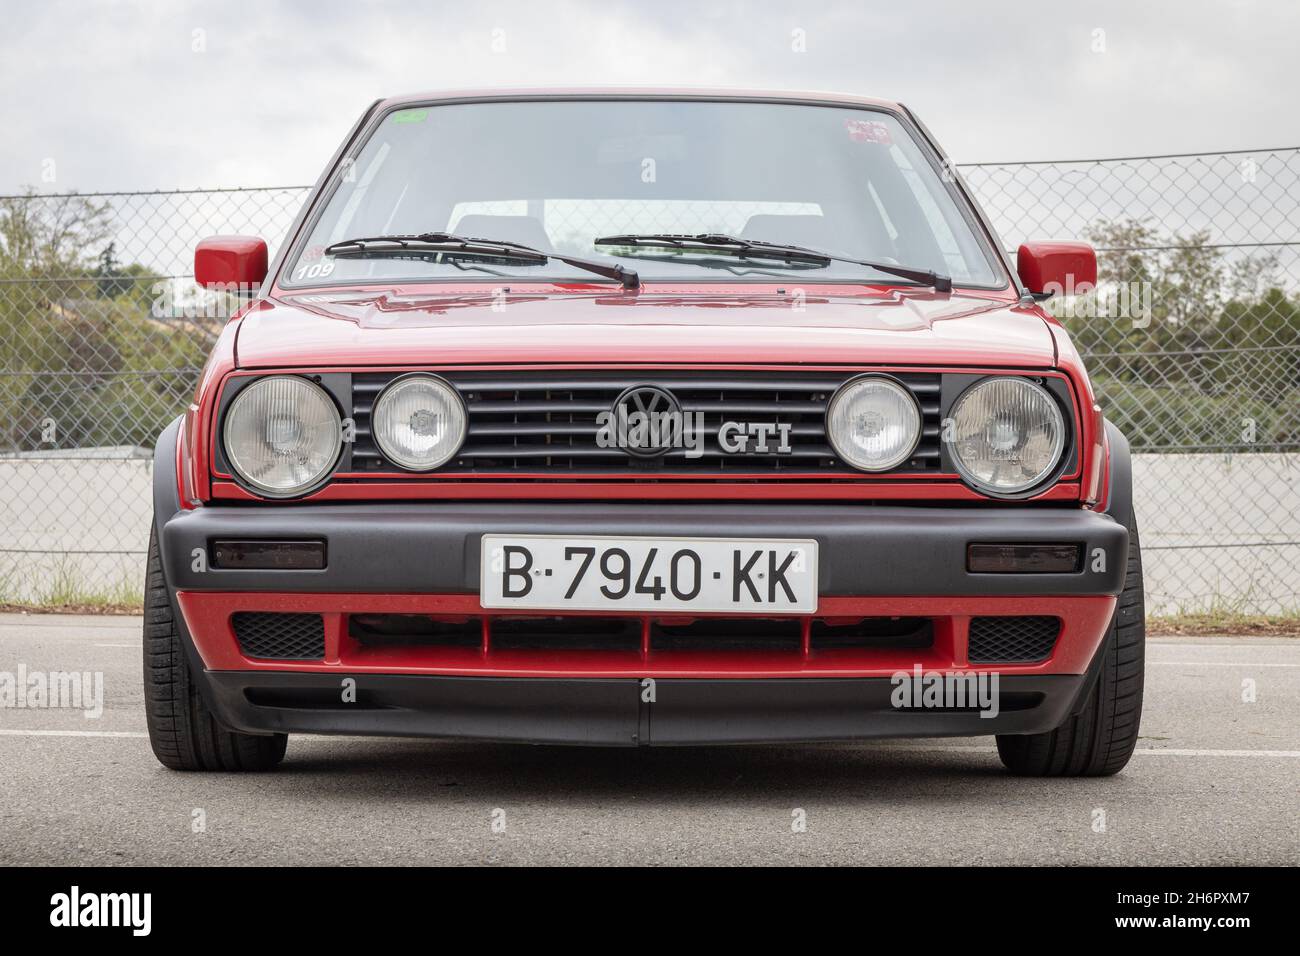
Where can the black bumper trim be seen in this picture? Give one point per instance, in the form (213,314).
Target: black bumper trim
(614,712)
(865,550)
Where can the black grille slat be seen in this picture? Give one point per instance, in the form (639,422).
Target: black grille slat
(726,634)
(528,429)
(545,422)
(1012,640)
(754,408)
(544,407)
(281,637)
(824,452)
(874,633)
(566,633)
(673,380)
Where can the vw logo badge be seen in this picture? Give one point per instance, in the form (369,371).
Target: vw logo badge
(650,418)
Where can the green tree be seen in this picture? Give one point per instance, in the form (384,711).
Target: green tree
(78,342)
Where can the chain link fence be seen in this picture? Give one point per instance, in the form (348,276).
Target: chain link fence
(1192,339)
(91,370)
(1201,366)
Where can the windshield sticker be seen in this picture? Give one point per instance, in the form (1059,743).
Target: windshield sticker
(868,131)
(316,270)
(410,116)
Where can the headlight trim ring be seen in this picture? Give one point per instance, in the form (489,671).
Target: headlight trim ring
(1060,449)
(259,488)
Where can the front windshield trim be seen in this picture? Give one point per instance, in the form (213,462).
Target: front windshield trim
(980,232)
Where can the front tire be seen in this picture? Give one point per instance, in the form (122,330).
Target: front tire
(1099,740)
(183,732)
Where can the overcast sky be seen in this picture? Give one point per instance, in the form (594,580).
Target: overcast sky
(137,95)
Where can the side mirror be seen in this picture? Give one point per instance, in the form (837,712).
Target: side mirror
(1051,268)
(235,263)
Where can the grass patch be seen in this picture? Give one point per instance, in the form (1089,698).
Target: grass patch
(61,590)
(1225,622)
(64,588)
(98,607)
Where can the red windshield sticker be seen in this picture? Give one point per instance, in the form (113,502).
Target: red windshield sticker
(868,131)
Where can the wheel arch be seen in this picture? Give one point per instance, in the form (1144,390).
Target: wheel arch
(1119,476)
(166,484)
(166,503)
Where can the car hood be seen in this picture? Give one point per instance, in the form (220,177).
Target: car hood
(417,327)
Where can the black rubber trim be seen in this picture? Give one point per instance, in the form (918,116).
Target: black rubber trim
(1091,675)
(166,505)
(1119,504)
(434,546)
(166,491)
(611,712)
(314,199)
(967,201)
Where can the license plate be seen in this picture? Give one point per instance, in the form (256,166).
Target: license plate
(616,573)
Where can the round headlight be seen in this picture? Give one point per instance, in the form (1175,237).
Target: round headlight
(419,422)
(873,423)
(1007,435)
(282,435)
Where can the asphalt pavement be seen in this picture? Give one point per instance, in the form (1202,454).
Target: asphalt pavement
(1215,781)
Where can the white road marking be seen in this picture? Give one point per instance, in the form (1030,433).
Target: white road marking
(1217,664)
(1142,751)
(1176,752)
(117,645)
(71,733)
(61,622)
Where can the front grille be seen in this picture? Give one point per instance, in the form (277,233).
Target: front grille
(414,630)
(280,637)
(547,421)
(727,634)
(625,633)
(1012,640)
(878,633)
(566,633)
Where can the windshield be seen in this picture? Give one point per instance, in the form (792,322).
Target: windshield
(557,175)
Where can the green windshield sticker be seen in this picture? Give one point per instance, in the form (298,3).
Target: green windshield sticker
(410,116)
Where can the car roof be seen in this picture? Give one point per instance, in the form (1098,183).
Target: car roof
(641,92)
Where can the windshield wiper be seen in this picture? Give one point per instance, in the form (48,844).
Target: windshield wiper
(755,249)
(449,244)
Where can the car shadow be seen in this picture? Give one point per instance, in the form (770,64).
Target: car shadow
(882,770)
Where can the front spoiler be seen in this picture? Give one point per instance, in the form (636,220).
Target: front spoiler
(619,712)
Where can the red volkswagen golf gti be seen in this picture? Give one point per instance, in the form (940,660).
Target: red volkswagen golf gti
(643,418)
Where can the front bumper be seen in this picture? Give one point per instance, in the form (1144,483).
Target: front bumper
(865,550)
(401,559)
